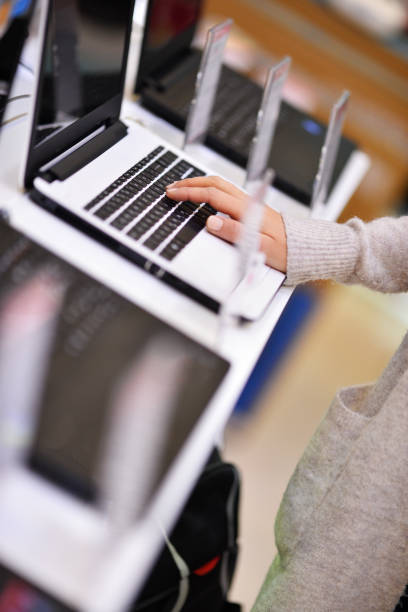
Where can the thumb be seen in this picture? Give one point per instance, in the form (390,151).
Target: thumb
(230,230)
(224,227)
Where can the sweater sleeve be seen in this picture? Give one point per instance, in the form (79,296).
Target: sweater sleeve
(373,254)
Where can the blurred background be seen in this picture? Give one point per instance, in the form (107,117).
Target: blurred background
(330,336)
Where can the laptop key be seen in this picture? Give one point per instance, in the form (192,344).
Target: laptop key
(166,159)
(168,203)
(147,221)
(170,224)
(110,207)
(196,172)
(127,216)
(131,212)
(208,209)
(182,238)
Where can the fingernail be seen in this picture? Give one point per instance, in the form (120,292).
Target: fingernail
(214,222)
(172,185)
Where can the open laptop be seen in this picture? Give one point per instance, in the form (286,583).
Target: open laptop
(81,349)
(86,356)
(108,177)
(165,81)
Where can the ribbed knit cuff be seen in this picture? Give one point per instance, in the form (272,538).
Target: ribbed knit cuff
(319,249)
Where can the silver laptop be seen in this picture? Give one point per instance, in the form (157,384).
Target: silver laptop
(107,176)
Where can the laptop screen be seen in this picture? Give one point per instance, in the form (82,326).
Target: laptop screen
(19,595)
(169,30)
(90,361)
(81,74)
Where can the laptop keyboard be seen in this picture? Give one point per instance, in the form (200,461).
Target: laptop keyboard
(136,204)
(235,109)
(236,106)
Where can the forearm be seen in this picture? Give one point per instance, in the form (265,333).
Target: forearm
(372,254)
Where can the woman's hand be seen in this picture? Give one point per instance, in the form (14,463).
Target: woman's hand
(227,198)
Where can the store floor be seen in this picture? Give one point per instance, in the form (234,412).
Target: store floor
(348,339)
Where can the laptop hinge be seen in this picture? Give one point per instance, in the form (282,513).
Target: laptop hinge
(86,153)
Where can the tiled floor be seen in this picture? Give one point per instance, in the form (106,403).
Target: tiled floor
(348,339)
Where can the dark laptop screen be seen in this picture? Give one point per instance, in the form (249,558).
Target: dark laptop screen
(169,30)
(82,66)
(169,19)
(81,76)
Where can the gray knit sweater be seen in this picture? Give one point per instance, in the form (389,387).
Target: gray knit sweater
(342,527)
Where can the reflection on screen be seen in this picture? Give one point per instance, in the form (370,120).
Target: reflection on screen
(28,315)
(17,595)
(169,18)
(82,65)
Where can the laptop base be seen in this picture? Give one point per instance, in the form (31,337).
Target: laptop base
(114,245)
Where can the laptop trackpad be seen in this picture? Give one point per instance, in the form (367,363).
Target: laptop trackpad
(218,265)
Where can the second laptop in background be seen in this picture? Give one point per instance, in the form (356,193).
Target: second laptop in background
(165,81)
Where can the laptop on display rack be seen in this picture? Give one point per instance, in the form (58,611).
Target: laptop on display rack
(108,177)
(111,398)
(80,348)
(165,81)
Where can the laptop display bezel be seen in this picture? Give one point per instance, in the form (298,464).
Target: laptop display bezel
(150,63)
(103,115)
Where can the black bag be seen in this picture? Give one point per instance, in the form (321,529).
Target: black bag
(402,605)
(196,565)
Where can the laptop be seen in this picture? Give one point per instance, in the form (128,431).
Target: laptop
(107,176)
(165,81)
(87,356)
(81,349)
